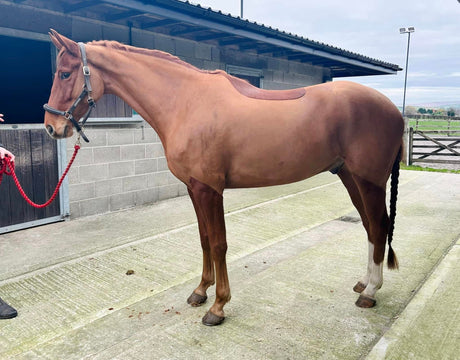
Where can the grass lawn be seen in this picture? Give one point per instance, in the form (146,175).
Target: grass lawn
(433,124)
(420,168)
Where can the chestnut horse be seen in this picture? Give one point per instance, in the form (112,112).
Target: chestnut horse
(220,132)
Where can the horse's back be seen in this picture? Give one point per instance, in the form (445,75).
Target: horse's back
(240,141)
(332,122)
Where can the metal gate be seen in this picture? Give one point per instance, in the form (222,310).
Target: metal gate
(435,141)
(38,159)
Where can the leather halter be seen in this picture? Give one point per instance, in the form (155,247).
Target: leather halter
(86,91)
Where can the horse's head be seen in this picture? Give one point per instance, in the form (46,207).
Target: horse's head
(75,88)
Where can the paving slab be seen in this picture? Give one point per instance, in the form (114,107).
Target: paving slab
(46,246)
(293,257)
(429,327)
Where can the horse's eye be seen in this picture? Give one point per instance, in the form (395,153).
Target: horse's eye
(65,75)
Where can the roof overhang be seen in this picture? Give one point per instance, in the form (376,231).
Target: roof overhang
(185,20)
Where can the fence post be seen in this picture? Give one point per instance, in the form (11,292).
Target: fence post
(410,146)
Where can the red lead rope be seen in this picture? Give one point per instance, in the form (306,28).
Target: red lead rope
(7,163)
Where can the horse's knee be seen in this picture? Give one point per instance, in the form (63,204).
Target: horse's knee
(219,250)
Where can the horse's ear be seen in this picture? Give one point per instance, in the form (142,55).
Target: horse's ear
(60,41)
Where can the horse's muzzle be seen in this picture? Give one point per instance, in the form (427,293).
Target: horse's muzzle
(50,130)
(55,135)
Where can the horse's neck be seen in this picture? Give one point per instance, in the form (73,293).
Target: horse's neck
(150,85)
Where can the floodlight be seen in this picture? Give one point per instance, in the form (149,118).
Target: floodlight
(410,29)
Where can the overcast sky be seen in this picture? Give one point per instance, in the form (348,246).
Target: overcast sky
(371,28)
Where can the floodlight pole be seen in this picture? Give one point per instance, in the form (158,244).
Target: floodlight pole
(407,31)
(241,9)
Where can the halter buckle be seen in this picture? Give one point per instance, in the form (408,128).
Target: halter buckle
(91,102)
(86,70)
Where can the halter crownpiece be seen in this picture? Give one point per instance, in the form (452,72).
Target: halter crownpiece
(86,91)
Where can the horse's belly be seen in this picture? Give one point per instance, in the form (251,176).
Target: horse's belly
(241,180)
(267,168)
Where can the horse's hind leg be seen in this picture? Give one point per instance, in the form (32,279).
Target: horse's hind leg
(350,184)
(210,207)
(373,198)
(199,295)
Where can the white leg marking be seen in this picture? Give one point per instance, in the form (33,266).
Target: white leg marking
(375,280)
(370,263)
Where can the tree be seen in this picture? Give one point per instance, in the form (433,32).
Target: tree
(411,110)
(451,112)
(439,112)
(421,110)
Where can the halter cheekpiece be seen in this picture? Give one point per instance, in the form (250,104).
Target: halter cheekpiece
(86,91)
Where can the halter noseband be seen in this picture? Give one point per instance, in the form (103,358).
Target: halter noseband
(86,91)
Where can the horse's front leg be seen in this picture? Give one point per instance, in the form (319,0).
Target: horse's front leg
(199,295)
(209,206)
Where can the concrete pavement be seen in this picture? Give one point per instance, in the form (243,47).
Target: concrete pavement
(295,252)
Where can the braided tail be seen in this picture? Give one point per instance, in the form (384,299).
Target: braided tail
(392,261)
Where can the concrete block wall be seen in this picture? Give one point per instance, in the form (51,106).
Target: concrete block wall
(122,166)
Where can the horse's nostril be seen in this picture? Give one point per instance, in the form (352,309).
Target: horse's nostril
(50,129)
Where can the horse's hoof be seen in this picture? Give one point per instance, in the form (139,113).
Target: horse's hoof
(359,287)
(211,319)
(196,299)
(7,311)
(365,301)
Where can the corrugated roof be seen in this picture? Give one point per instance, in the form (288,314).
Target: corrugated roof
(192,21)
(296,38)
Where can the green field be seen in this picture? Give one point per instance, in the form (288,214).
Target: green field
(435,125)
(421,168)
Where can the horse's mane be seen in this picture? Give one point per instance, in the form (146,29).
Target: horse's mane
(241,85)
(149,52)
